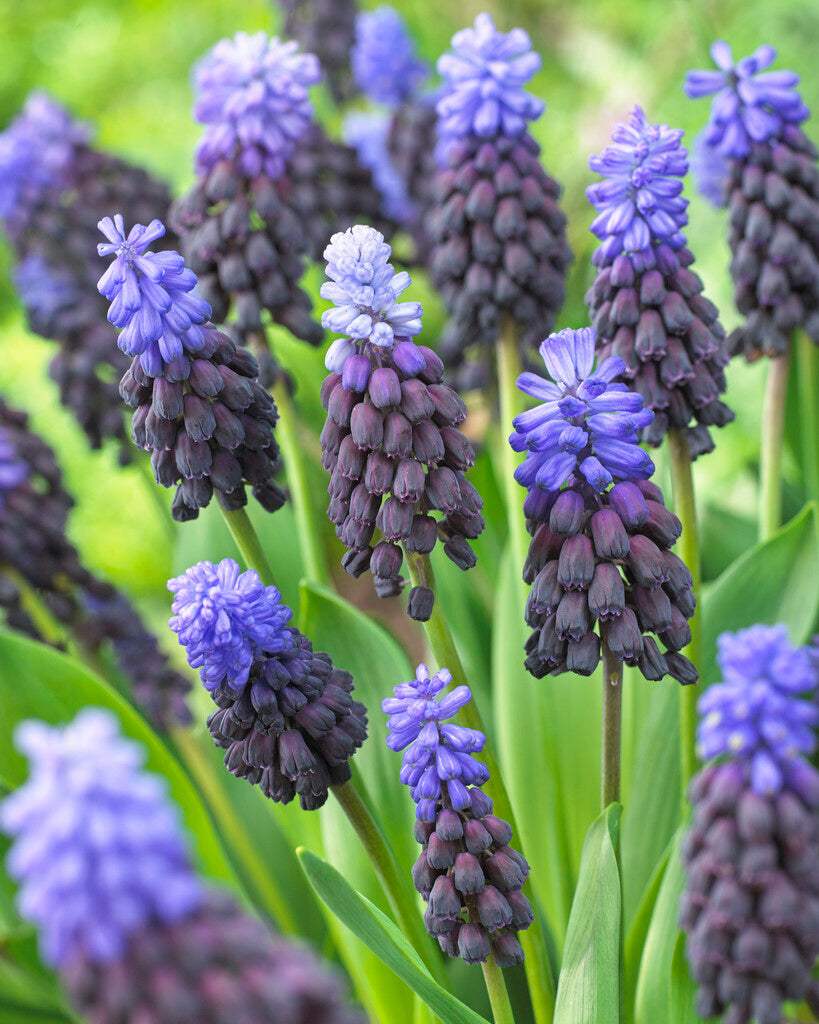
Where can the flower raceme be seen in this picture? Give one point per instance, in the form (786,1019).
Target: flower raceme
(381,34)
(469,876)
(586,424)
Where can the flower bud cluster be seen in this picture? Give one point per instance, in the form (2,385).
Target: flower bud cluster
(498,235)
(411,145)
(199,407)
(327,29)
(599,561)
(771,182)
(390,439)
(751,855)
(285,716)
(383,59)
(34,507)
(646,302)
(469,876)
(58,188)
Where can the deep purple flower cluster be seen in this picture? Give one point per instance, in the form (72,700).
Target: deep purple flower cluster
(411,146)
(385,66)
(751,905)
(709,169)
(600,554)
(468,874)
(390,439)
(586,424)
(326,28)
(97,849)
(199,407)
(368,133)
(59,188)
(771,184)
(106,878)
(252,92)
(646,303)
(34,546)
(499,250)
(285,716)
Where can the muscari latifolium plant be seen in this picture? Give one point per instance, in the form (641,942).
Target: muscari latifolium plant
(501,475)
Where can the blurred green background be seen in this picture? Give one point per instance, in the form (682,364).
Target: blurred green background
(124,67)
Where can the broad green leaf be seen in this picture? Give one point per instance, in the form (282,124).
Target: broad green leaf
(653,996)
(588,989)
(636,936)
(28,990)
(385,940)
(683,989)
(773,582)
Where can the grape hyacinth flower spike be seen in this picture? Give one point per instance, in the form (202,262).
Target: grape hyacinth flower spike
(469,876)
(499,247)
(285,716)
(327,29)
(751,903)
(198,405)
(391,438)
(106,877)
(646,303)
(54,188)
(385,65)
(772,190)
(36,554)
(599,562)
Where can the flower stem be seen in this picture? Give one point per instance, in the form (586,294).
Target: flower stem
(397,890)
(612,719)
(773,430)
(201,770)
(508,373)
(446,654)
(48,626)
(682,485)
(807,355)
(247,542)
(309,533)
(498,995)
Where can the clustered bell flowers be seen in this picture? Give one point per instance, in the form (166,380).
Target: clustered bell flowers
(54,188)
(327,29)
(198,405)
(391,438)
(751,903)
(286,719)
(36,553)
(599,562)
(646,303)
(771,185)
(498,235)
(106,877)
(469,876)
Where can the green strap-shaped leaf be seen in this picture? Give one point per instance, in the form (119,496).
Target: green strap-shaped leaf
(683,989)
(385,940)
(588,989)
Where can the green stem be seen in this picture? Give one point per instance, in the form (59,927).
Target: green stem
(773,431)
(202,771)
(247,542)
(50,629)
(396,889)
(807,357)
(612,715)
(682,484)
(498,996)
(309,533)
(508,373)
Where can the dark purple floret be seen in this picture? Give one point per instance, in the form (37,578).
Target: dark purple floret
(772,189)
(390,440)
(411,145)
(469,876)
(646,303)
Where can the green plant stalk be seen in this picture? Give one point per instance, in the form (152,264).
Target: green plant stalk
(241,529)
(446,654)
(399,891)
(498,995)
(807,358)
(508,373)
(201,770)
(308,530)
(612,727)
(773,431)
(49,628)
(682,485)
